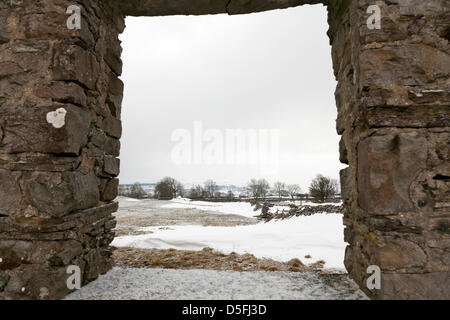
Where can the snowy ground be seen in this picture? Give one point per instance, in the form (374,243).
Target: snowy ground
(167,284)
(240,208)
(319,236)
(225,227)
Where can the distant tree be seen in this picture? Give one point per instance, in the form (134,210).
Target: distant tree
(179,189)
(279,188)
(196,192)
(252,188)
(230,194)
(210,188)
(123,191)
(323,187)
(136,191)
(258,188)
(168,188)
(293,190)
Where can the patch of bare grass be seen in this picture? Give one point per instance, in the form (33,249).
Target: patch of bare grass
(205,259)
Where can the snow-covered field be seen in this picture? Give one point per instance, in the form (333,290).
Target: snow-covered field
(169,284)
(320,235)
(241,208)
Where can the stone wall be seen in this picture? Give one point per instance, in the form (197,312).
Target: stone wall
(60,100)
(60,104)
(393,101)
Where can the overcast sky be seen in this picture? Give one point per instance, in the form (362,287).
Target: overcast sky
(265,71)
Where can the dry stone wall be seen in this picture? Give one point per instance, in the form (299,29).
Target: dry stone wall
(60,100)
(393,100)
(60,105)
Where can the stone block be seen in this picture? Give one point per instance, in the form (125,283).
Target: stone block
(10,68)
(434,285)
(346,183)
(110,190)
(407,65)
(44,195)
(4,34)
(111,165)
(397,253)
(51,25)
(112,127)
(343,154)
(10,193)
(73,63)
(37,281)
(40,129)
(388,165)
(108,144)
(63,92)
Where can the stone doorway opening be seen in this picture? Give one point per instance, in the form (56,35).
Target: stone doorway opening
(214,70)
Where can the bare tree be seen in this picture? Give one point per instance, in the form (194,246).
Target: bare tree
(201,192)
(293,190)
(168,188)
(136,191)
(323,187)
(279,188)
(258,188)
(210,188)
(179,189)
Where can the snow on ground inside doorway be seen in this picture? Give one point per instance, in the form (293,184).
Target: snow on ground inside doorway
(172,284)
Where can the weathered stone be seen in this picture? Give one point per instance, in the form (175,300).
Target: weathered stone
(74,221)
(112,127)
(399,254)
(112,58)
(4,34)
(387,224)
(409,65)
(4,278)
(346,183)
(38,162)
(415,286)
(9,190)
(73,63)
(14,253)
(110,145)
(161,8)
(199,7)
(388,166)
(48,26)
(63,92)
(343,156)
(28,47)
(115,85)
(9,68)
(27,129)
(24,282)
(413,117)
(114,103)
(110,190)
(57,194)
(111,165)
